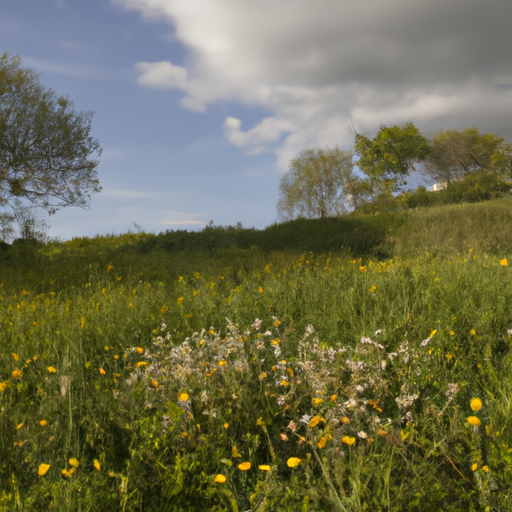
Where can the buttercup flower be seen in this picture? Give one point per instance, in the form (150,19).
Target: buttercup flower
(220,479)
(293,462)
(475,404)
(474,420)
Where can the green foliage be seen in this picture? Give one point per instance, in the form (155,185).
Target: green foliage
(391,154)
(45,146)
(316,184)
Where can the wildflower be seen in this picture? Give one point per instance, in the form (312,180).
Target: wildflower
(293,462)
(292,426)
(474,420)
(362,435)
(19,425)
(73,462)
(315,420)
(102,371)
(283,437)
(264,467)
(474,466)
(504,262)
(345,420)
(179,300)
(139,350)
(373,289)
(472,331)
(43,423)
(16,357)
(96,464)
(154,383)
(260,422)
(321,444)
(66,473)
(382,432)
(4,385)
(244,466)
(234,452)
(16,374)
(141,363)
(486,469)
(333,397)
(475,404)
(226,425)
(220,479)
(348,440)
(183,397)
(317,401)
(260,289)
(43,469)
(257,323)
(222,362)
(310,330)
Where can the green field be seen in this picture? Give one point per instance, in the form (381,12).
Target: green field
(360,363)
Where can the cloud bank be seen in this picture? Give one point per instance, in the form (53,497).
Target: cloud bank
(322,68)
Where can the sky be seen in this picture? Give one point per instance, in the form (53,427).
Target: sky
(199,105)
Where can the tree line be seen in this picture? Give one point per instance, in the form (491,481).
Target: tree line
(325,182)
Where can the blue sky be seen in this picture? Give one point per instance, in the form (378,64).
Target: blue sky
(200,105)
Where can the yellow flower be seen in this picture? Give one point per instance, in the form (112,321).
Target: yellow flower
(433,333)
(222,362)
(333,397)
(179,300)
(43,469)
(66,473)
(19,425)
(220,479)
(260,289)
(486,469)
(109,267)
(345,420)
(504,262)
(154,383)
(244,466)
(373,289)
(362,269)
(164,309)
(315,420)
(474,420)
(96,464)
(226,425)
(43,423)
(141,363)
(234,452)
(475,404)
(472,331)
(293,462)
(321,444)
(183,397)
(264,467)
(474,466)
(139,350)
(73,462)
(317,401)
(16,357)
(382,433)
(4,385)
(348,440)
(260,422)
(16,374)
(51,369)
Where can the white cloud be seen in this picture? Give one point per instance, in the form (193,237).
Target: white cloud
(162,75)
(320,67)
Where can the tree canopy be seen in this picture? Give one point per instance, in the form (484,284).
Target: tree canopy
(48,157)
(316,184)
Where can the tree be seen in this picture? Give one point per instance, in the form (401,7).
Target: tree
(45,146)
(315,185)
(391,155)
(455,155)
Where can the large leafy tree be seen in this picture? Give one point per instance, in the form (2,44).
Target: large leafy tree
(456,154)
(391,155)
(316,184)
(48,157)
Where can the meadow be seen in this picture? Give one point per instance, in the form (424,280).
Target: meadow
(365,370)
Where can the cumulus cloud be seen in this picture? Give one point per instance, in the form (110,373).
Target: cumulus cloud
(321,68)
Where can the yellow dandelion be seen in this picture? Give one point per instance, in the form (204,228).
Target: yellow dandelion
(348,440)
(51,369)
(486,469)
(373,289)
(220,479)
(226,425)
(321,444)
(183,397)
(315,420)
(139,350)
(141,363)
(317,401)
(333,397)
(472,331)
(433,333)
(475,404)
(260,289)
(73,462)
(222,362)
(43,423)
(154,383)
(474,466)
(293,462)
(504,262)
(179,300)
(345,420)
(244,466)
(19,425)
(43,469)
(474,420)
(15,356)
(16,374)
(264,467)
(66,473)
(4,385)
(96,464)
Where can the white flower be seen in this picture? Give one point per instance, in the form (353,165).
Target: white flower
(424,343)
(310,329)
(257,323)
(351,403)
(366,340)
(362,434)
(509,332)
(163,327)
(377,332)
(305,419)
